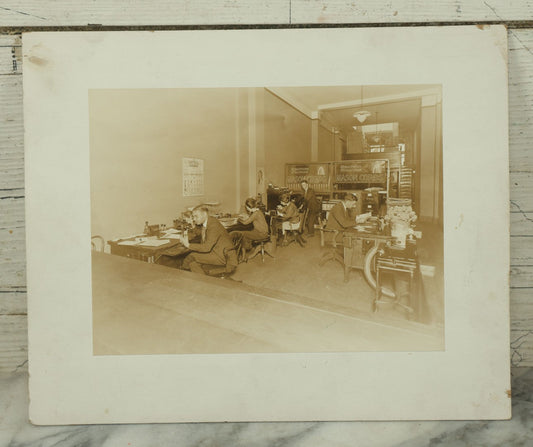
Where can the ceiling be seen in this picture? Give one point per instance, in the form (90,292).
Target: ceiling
(337,104)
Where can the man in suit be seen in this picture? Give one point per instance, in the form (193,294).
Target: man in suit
(340,217)
(215,246)
(310,202)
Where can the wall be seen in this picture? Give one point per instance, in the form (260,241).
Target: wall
(326,151)
(287,137)
(354,143)
(430,192)
(137,141)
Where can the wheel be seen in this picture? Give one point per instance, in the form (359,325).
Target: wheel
(369,271)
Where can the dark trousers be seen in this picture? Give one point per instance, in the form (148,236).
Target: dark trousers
(311,219)
(247,237)
(194,261)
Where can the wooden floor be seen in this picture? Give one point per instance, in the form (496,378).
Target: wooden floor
(296,270)
(281,305)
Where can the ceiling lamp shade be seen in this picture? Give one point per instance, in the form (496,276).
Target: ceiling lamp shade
(362,115)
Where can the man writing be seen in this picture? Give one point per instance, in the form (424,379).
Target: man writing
(215,246)
(310,202)
(340,217)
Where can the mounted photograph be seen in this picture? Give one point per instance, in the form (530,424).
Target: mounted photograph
(267,225)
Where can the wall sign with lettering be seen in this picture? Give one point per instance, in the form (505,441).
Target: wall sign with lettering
(317,174)
(364,171)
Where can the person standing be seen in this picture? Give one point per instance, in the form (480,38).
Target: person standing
(311,203)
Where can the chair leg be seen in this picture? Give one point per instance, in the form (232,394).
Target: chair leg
(325,258)
(268,251)
(339,258)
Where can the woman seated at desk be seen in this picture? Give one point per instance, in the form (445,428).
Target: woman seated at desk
(286,212)
(260,228)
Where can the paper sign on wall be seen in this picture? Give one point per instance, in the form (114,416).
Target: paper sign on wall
(193,177)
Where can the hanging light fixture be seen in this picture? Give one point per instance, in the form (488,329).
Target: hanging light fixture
(362,115)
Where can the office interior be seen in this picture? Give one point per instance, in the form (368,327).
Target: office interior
(286,303)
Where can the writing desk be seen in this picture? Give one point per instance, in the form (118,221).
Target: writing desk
(403,262)
(172,248)
(145,252)
(360,247)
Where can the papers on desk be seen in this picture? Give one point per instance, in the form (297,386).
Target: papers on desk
(129,242)
(154,242)
(228,222)
(118,239)
(171,231)
(361,218)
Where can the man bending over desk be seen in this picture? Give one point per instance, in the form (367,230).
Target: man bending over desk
(215,246)
(340,218)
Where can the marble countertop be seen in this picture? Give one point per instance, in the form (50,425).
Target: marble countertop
(15,430)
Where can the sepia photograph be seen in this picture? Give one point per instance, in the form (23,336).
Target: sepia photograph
(267,220)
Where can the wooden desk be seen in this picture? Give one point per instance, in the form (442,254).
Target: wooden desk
(359,248)
(173,248)
(402,262)
(146,253)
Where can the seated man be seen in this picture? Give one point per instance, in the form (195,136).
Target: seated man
(215,246)
(340,218)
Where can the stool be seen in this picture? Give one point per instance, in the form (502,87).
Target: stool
(331,247)
(386,261)
(261,243)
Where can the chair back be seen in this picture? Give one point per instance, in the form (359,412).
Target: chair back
(97,243)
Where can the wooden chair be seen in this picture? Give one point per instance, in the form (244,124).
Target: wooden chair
(97,243)
(296,229)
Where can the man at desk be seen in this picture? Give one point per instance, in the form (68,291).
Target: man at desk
(340,218)
(215,246)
